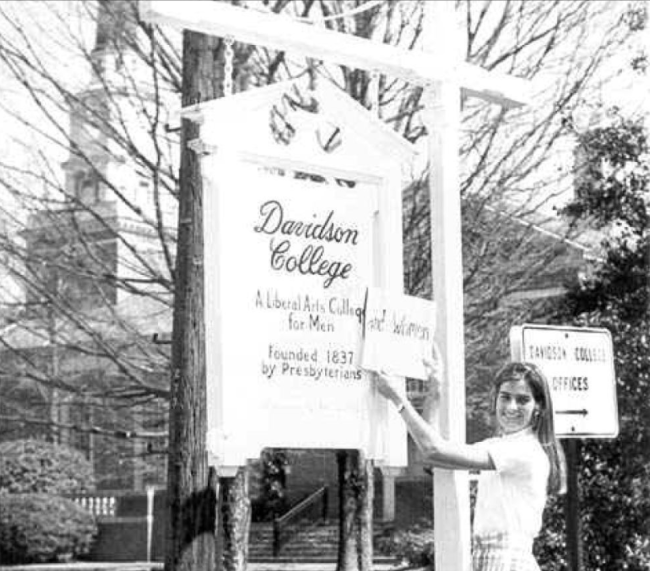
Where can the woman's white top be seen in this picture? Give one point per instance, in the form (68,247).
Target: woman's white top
(512,497)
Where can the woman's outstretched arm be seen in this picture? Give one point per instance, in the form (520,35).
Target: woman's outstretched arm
(436,449)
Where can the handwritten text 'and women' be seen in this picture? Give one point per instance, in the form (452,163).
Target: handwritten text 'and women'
(399,325)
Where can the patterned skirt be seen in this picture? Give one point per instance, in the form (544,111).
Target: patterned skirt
(502,552)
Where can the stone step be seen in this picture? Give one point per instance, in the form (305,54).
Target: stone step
(316,566)
(315,544)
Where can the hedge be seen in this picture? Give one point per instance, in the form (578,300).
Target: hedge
(39,528)
(35,466)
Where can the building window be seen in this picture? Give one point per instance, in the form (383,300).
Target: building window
(87,188)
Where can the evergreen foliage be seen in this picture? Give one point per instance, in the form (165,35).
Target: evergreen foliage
(273,499)
(613,193)
(37,524)
(36,466)
(414,545)
(38,528)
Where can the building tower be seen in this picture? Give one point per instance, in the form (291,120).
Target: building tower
(99,252)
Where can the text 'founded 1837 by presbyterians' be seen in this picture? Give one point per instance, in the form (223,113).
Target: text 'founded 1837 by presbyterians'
(334,363)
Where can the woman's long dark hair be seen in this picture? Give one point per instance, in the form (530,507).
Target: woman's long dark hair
(542,421)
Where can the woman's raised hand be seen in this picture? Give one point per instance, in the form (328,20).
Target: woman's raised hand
(435,370)
(387,385)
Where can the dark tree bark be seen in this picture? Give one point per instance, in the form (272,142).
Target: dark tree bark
(236,517)
(347,474)
(191,487)
(356,493)
(365,497)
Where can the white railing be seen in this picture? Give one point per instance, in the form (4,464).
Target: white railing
(98,505)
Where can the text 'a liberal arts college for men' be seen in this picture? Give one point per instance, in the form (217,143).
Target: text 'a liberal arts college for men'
(311,260)
(337,305)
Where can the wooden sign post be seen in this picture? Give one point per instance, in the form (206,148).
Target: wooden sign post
(444,78)
(442,120)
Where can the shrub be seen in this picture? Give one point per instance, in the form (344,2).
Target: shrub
(34,466)
(415,545)
(272,501)
(38,528)
(639,552)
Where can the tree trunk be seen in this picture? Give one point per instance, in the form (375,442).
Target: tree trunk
(365,497)
(347,461)
(236,517)
(191,485)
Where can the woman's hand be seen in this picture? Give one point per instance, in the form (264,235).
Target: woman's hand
(435,370)
(387,385)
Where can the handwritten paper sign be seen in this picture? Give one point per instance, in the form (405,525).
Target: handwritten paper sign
(397,334)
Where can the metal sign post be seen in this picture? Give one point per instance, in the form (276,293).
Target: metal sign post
(572,505)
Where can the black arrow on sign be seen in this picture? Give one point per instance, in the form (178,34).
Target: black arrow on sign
(583,412)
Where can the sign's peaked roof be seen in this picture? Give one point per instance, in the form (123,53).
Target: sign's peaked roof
(247,120)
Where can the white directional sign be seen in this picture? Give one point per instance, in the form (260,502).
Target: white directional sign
(579,365)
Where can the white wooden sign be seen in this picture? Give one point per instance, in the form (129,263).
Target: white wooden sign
(579,365)
(397,333)
(288,255)
(296,255)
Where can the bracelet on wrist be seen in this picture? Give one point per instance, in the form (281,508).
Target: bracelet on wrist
(400,408)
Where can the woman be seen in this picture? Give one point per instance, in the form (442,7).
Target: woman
(519,465)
